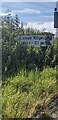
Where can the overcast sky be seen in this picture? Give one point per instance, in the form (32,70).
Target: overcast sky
(38,15)
(28,0)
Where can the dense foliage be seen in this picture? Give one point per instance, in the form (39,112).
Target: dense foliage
(23,93)
(16,56)
(29,73)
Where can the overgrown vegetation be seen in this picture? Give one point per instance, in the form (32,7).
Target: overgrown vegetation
(29,73)
(23,93)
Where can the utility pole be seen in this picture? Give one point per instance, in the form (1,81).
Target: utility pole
(56,19)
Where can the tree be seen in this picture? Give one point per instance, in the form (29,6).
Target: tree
(17,21)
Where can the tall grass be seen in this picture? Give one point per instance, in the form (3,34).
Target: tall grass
(24,92)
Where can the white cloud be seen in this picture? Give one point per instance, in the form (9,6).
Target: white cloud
(47,16)
(26,10)
(49,26)
(5,13)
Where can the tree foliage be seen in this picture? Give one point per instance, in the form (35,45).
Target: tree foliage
(16,55)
